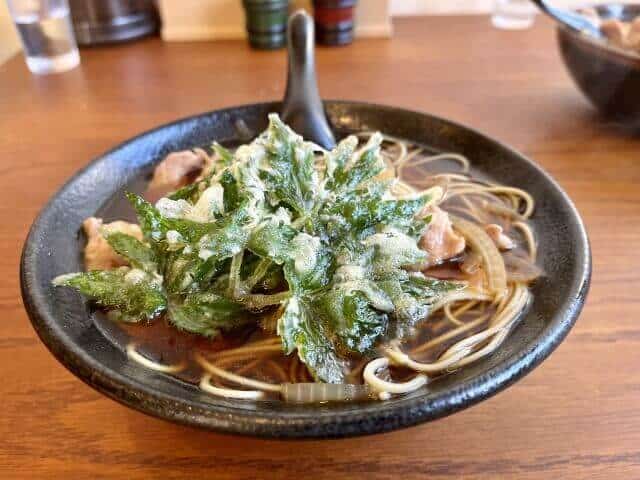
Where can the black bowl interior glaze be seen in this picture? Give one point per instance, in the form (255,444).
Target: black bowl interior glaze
(608,76)
(63,321)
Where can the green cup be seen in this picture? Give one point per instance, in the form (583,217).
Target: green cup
(266,23)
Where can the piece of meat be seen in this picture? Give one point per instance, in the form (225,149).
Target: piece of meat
(176,170)
(633,35)
(502,241)
(208,163)
(472,263)
(439,240)
(98,254)
(477,280)
(452,271)
(615,31)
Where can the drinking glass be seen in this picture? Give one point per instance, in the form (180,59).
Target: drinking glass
(513,14)
(46,33)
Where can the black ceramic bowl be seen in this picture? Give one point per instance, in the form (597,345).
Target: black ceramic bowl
(607,75)
(66,324)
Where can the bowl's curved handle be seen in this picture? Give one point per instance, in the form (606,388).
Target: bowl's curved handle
(573,20)
(302,108)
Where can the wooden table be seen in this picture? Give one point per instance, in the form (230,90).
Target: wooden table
(577,416)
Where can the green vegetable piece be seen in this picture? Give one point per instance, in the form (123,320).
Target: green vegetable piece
(299,330)
(357,212)
(368,164)
(133,294)
(231,197)
(333,246)
(339,156)
(194,268)
(187,272)
(226,237)
(209,243)
(290,176)
(155,226)
(206,314)
(394,250)
(192,191)
(225,157)
(272,238)
(188,192)
(353,320)
(137,253)
(310,264)
(412,297)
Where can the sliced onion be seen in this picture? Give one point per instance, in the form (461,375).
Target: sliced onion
(471,263)
(323,392)
(521,269)
(481,243)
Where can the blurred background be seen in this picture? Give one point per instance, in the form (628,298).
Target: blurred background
(224,19)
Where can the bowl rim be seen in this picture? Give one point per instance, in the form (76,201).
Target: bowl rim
(384,417)
(602,45)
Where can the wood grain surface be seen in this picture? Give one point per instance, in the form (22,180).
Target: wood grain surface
(576,417)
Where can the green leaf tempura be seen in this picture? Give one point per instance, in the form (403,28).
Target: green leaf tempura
(206,313)
(300,331)
(280,227)
(137,253)
(132,294)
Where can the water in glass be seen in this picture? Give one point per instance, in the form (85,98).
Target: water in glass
(47,37)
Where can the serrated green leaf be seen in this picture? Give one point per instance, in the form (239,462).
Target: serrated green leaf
(231,195)
(393,251)
(310,264)
(368,164)
(356,213)
(188,272)
(340,156)
(352,318)
(412,296)
(299,330)
(272,238)
(155,226)
(227,236)
(188,192)
(207,314)
(280,221)
(225,157)
(192,191)
(137,253)
(289,173)
(132,293)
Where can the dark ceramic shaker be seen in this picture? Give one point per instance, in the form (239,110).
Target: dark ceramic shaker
(334,21)
(266,22)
